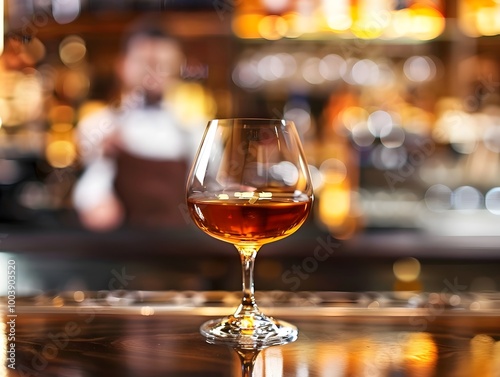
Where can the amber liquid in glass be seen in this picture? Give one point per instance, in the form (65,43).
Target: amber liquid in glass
(240,221)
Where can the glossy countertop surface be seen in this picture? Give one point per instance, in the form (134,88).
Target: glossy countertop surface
(340,334)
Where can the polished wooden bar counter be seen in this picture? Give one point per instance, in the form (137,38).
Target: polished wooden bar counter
(340,334)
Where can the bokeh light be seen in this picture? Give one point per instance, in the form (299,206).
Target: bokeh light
(364,19)
(270,67)
(334,206)
(2,31)
(35,50)
(427,22)
(78,296)
(272,27)
(400,23)
(492,200)
(392,136)
(467,198)
(300,114)
(245,25)
(27,90)
(10,171)
(330,67)
(62,114)
(288,64)
(378,120)
(353,115)
(75,85)
(72,50)
(384,158)
(373,19)
(439,198)
(361,135)
(346,71)
(333,171)
(285,171)
(316,178)
(60,153)
(457,128)
(311,71)
(491,137)
(406,269)
(275,6)
(294,23)
(61,127)
(246,75)
(419,68)
(192,103)
(420,354)
(365,72)
(34,195)
(337,14)
(65,11)
(487,20)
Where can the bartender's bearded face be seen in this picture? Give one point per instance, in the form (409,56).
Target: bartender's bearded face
(151,65)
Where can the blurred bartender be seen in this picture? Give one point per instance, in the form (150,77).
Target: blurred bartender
(135,151)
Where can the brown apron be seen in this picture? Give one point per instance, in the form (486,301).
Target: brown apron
(152,191)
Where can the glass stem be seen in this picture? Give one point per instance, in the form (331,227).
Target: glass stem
(247,359)
(247,254)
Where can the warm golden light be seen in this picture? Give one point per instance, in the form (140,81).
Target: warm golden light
(246,25)
(61,153)
(75,85)
(427,23)
(363,19)
(333,171)
(61,127)
(406,269)
(90,107)
(373,17)
(482,348)
(400,23)
(332,358)
(79,296)
(467,18)
(334,205)
(361,351)
(477,18)
(58,301)
(294,24)
(353,115)
(27,89)
(487,20)
(2,33)
(147,311)
(72,50)
(192,103)
(366,28)
(62,114)
(272,27)
(420,354)
(337,14)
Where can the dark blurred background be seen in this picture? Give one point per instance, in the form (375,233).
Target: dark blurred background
(397,104)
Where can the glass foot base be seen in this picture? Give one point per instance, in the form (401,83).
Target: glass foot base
(252,331)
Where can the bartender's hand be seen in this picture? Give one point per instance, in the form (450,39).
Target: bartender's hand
(105,216)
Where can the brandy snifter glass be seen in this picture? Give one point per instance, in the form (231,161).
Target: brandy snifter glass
(249,185)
